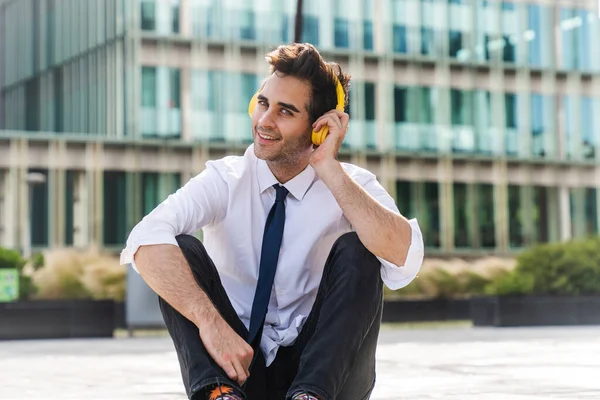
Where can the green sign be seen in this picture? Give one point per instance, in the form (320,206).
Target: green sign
(9,285)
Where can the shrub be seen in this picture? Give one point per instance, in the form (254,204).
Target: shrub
(567,268)
(11,259)
(454,278)
(72,274)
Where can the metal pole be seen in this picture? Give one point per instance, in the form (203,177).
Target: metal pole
(298,31)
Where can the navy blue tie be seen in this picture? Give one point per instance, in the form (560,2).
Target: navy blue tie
(268,264)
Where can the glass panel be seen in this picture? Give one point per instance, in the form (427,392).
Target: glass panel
(370,126)
(460,29)
(404,195)
(341,25)
(148,17)
(542,135)
(461,106)
(462,237)
(39,207)
(588,127)
(161,99)
(516,217)
(591,211)
(115,203)
(485,136)
(511,104)
(539,35)
(542,213)
(568,104)
(69,203)
(150,197)
(431,31)
(431,234)
(485,215)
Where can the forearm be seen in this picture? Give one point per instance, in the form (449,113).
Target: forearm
(383,232)
(165,269)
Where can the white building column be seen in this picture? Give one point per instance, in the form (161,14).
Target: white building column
(564,207)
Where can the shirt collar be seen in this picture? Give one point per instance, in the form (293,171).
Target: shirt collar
(297,186)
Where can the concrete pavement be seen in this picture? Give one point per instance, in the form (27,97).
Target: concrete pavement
(444,363)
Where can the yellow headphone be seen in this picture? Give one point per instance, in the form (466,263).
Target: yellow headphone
(317,137)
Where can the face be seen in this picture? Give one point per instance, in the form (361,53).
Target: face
(280,124)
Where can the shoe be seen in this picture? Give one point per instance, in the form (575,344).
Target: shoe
(304,396)
(223,392)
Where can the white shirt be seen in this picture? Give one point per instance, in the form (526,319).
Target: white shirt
(230,201)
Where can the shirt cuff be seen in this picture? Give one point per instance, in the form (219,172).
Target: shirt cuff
(128,253)
(396,277)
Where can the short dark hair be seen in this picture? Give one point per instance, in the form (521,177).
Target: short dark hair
(303,61)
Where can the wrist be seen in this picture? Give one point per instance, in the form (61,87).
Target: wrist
(328,168)
(204,316)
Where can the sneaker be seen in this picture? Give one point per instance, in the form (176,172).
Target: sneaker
(304,396)
(223,392)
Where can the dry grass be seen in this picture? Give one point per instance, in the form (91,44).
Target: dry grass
(74,274)
(454,277)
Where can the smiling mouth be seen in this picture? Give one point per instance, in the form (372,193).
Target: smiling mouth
(266,137)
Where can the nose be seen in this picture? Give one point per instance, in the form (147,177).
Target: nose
(267,118)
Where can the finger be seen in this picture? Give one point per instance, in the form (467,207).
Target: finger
(230,371)
(331,120)
(241,372)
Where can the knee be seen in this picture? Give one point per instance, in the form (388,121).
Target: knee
(354,260)
(186,242)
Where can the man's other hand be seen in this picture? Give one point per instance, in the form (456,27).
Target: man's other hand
(227,348)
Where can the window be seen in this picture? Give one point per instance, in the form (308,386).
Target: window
(115,208)
(484,195)
(148,87)
(39,210)
(538,35)
(69,203)
(516,216)
(462,216)
(148,19)
(432,210)
(541,126)
(161,102)
(511,123)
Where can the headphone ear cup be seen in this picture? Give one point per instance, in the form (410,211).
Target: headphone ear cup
(319,137)
(252,104)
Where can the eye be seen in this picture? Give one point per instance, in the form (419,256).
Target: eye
(287,112)
(263,103)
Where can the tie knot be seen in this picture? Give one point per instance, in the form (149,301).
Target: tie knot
(280,192)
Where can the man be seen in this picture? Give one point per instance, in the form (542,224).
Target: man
(308,331)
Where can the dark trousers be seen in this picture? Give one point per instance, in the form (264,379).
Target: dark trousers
(334,354)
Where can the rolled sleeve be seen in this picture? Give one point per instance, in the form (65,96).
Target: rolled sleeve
(198,203)
(396,277)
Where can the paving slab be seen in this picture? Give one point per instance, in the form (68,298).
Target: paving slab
(442,363)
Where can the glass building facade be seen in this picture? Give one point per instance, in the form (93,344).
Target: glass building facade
(480,117)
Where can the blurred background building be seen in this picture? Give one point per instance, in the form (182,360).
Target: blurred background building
(480,117)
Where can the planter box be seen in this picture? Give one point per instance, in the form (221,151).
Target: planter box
(535,310)
(57,319)
(425,310)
